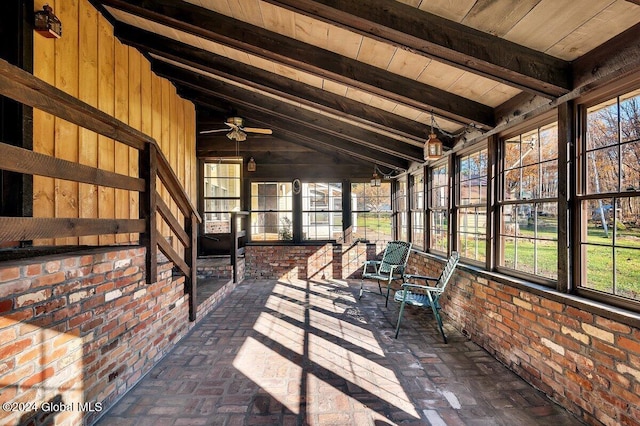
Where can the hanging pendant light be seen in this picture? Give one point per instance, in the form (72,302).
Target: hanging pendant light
(433,146)
(375,179)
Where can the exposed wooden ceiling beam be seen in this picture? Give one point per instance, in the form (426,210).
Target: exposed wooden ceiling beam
(276,108)
(271,83)
(266,44)
(612,59)
(444,40)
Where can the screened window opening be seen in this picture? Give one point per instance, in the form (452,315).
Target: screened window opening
(271,211)
(221,187)
(322,211)
(371,212)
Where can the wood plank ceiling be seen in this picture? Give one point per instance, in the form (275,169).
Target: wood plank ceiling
(365,78)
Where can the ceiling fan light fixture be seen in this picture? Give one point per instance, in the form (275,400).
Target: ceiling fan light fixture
(375,179)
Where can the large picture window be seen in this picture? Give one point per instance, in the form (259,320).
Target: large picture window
(271,211)
(322,211)
(439,208)
(371,212)
(472,206)
(529,205)
(610,199)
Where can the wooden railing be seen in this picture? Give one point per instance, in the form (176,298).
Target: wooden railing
(23,87)
(239,223)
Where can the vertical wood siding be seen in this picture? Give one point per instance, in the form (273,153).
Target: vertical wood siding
(89,63)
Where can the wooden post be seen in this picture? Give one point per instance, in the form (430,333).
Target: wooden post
(148,166)
(191,255)
(566,205)
(234,246)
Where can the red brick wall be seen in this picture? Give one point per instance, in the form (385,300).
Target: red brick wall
(583,359)
(82,329)
(304,261)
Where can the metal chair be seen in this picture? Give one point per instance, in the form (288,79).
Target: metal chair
(390,268)
(426,296)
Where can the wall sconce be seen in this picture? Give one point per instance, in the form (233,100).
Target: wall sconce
(251,165)
(375,179)
(47,24)
(433,146)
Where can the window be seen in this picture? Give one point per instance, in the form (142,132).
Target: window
(439,208)
(610,198)
(322,211)
(271,211)
(400,206)
(417,209)
(529,206)
(371,212)
(472,206)
(221,188)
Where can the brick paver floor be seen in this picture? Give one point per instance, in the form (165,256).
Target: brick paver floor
(310,353)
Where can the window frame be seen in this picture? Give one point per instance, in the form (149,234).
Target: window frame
(481,204)
(446,211)
(501,201)
(417,209)
(278,211)
(583,197)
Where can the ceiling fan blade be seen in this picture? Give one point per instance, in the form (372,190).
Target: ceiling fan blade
(257,130)
(204,132)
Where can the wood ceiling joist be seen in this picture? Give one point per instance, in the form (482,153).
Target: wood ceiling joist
(272,83)
(444,40)
(276,108)
(613,59)
(292,132)
(272,46)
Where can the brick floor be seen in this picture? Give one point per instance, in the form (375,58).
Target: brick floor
(310,353)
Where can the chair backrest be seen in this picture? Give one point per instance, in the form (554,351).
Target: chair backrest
(447,272)
(396,253)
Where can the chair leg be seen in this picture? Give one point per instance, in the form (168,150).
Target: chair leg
(361,289)
(439,320)
(399,318)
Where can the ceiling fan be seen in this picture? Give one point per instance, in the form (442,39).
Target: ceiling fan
(237,131)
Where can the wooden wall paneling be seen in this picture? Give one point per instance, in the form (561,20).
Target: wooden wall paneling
(190,153)
(43,124)
(66,134)
(180,149)
(146,107)
(135,121)
(172,151)
(121,151)
(165,141)
(88,92)
(106,103)
(156,123)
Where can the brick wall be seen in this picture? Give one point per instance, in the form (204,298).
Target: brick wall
(304,261)
(82,329)
(583,358)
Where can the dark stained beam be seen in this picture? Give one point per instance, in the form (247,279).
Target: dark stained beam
(272,83)
(244,98)
(612,59)
(275,47)
(443,40)
(290,131)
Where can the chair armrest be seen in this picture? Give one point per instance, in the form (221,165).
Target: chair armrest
(372,262)
(421,277)
(421,287)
